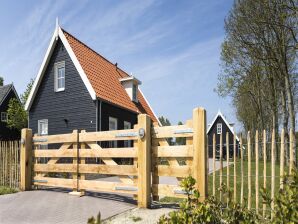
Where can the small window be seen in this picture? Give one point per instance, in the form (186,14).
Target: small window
(60,76)
(113,126)
(134,93)
(127,125)
(219,128)
(43,127)
(4,117)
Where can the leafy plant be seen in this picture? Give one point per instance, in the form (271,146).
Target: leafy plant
(285,208)
(92,220)
(192,210)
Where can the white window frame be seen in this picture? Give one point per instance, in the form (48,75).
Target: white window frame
(45,121)
(58,66)
(113,144)
(127,125)
(219,128)
(4,114)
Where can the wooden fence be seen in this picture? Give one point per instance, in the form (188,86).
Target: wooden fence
(9,164)
(77,160)
(251,165)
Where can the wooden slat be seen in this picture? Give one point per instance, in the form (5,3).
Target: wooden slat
(272,170)
(282,158)
(228,160)
(87,168)
(265,168)
(109,153)
(220,167)
(50,139)
(169,131)
(292,136)
(257,170)
(242,171)
(235,168)
(249,170)
(109,169)
(171,171)
(108,135)
(106,186)
(54,153)
(173,151)
(167,190)
(54,182)
(214,167)
(109,161)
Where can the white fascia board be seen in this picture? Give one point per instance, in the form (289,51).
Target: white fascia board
(46,61)
(41,71)
(150,107)
(77,64)
(224,119)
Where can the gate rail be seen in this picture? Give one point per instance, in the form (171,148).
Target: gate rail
(149,147)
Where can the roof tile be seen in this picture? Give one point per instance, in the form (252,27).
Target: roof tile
(103,75)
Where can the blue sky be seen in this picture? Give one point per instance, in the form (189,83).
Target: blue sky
(173,47)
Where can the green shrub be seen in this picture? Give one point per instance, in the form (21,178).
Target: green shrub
(191,210)
(285,208)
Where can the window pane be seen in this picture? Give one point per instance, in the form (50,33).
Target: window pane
(60,72)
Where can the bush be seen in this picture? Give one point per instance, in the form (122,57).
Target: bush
(191,210)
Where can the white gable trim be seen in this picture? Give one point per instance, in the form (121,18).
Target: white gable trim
(15,92)
(219,114)
(150,107)
(58,33)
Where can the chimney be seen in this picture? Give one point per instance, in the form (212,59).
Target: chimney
(131,85)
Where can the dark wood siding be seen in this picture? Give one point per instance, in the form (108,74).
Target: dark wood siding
(225,129)
(109,110)
(74,104)
(5,132)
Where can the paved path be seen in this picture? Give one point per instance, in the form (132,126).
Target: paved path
(50,206)
(46,207)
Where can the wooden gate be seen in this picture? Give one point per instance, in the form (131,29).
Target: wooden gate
(75,160)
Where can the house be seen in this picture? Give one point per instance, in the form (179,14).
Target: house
(7,93)
(77,88)
(220,126)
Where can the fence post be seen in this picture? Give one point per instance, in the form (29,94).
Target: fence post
(200,151)
(144,162)
(26,159)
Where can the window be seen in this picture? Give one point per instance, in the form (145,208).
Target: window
(219,128)
(43,127)
(60,76)
(113,126)
(4,117)
(134,93)
(127,125)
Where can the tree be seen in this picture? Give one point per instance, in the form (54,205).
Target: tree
(17,116)
(1,81)
(259,63)
(164,121)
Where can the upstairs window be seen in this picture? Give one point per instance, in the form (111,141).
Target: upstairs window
(4,117)
(134,93)
(219,128)
(59,76)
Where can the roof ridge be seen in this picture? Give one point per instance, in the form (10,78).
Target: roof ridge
(81,42)
(6,85)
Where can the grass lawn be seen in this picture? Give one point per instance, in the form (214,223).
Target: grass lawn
(7,190)
(245,180)
(238,182)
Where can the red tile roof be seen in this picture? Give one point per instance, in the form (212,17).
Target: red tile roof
(104,77)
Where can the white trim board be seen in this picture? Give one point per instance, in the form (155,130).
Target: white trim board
(219,114)
(45,63)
